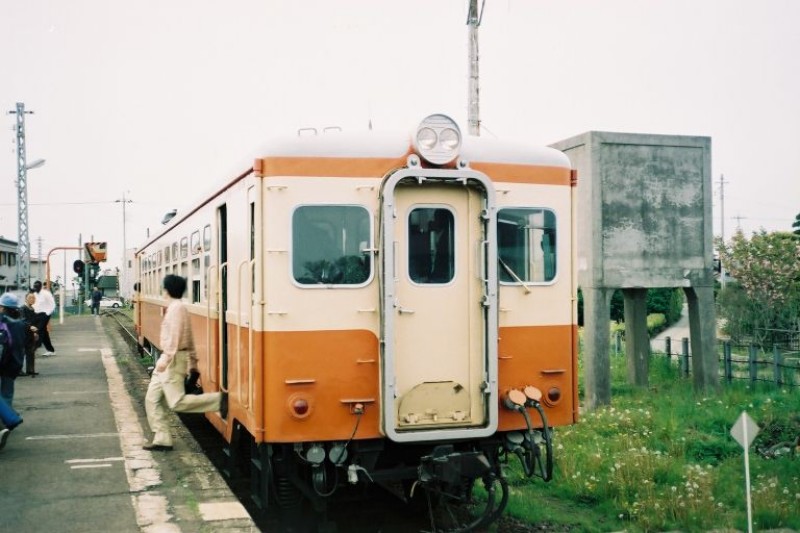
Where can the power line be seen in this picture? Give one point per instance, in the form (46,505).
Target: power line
(71,203)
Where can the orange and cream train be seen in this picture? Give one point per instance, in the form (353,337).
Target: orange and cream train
(394,310)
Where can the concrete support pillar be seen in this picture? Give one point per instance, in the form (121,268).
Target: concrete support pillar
(596,342)
(703,338)
(637,341)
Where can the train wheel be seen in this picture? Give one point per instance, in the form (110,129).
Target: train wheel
(463,511)
(261,480)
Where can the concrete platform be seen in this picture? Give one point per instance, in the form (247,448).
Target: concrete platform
(76,463)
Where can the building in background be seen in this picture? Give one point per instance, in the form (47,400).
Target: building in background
(127,275)
(108,283)
(8,267)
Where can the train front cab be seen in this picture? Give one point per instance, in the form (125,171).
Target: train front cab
(450,347)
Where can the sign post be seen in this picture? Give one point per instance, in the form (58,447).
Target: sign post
(744,431)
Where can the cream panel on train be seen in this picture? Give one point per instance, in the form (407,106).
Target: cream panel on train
(535,254)
(319,253)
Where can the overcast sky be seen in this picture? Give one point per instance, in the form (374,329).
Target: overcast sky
(158,100)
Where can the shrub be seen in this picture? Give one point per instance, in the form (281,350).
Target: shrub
(656,323)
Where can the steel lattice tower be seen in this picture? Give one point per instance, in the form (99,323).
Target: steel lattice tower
(23,239)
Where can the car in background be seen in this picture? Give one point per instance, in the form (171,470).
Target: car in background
(106,301)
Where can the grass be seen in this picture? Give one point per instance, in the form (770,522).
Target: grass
(662,458)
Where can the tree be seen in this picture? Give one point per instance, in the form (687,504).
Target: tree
(764,301)
(796,224)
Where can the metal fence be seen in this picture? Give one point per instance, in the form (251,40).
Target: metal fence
(778,365)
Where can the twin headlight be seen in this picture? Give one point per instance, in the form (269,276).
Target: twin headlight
(438,139)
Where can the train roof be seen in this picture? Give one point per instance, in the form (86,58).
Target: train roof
(393,145)
(384,146)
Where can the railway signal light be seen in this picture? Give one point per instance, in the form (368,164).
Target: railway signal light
(95,251)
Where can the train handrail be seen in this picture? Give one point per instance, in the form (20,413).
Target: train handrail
(211,268)
(221,323)
(251,355)
(246,403)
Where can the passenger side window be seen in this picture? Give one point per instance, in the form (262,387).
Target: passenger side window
(331,245)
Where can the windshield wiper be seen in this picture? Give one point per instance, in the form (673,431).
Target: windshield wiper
(514,275)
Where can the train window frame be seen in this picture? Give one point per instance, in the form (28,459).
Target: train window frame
(207,237)
(175,251)
(363,239)
(196,284)
(204,278)
(196,248)
(167,257)
(184,247)
(452,246)
(503,275)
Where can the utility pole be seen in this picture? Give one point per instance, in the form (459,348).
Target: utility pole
(39,260)
(474,18)
(124,284)
(722,183)
(23,240)
(739,222)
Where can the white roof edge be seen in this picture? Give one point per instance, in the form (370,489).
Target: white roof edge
(397,144)
(515,151)
(338,144)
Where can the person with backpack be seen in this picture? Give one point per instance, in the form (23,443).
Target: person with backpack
(32,336)
(12,345)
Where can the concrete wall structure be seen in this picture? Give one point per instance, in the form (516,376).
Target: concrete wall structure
(644,221)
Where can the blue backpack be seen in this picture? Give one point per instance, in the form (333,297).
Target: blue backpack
(12,346)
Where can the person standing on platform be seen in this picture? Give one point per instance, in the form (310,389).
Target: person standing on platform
(44,306)
(32,338)
(96,297)
(12,345)
(177,360)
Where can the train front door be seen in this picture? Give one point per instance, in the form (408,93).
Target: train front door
(437,332)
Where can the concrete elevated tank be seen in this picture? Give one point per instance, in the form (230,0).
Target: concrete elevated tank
(644,221)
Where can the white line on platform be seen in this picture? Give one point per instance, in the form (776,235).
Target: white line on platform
(104,465)
(80,392)
(104,460)
(83,436)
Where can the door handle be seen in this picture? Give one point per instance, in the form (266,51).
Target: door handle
(400,308)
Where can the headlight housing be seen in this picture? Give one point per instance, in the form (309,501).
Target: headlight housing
(438,139)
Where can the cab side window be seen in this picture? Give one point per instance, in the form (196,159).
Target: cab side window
(526,240)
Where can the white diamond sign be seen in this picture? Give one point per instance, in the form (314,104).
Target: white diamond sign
(744,430)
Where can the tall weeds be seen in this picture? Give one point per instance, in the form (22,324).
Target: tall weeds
(662,458)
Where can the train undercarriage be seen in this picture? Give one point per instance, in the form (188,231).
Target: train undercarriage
(457,487)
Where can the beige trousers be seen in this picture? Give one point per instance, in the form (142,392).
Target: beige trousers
(166,392)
